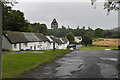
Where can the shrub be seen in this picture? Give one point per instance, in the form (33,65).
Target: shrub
(6,49)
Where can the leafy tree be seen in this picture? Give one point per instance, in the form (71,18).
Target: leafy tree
(98,32)
(70,37)
(86,40)
(63,27)
(90,32)
(109,5)
(13,20)
(43,28)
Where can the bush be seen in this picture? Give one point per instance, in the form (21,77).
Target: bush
(29,50)
(6,49)
(22,50)
(119,47)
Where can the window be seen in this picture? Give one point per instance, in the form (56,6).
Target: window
(31,47)
(25,44)
(15,46)
(38,46)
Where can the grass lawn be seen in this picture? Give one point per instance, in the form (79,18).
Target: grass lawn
(5,52)
(97,48)
(15,64)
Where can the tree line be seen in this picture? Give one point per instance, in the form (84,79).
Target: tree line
(98,32)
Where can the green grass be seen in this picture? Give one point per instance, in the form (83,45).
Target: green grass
(5,52)
(97,48)
(14,65)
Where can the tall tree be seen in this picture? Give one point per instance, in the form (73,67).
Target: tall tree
(98,32)
(13,20)
(86,40)
(70,37)
(43,29)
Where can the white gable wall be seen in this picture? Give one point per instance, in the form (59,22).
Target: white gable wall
(6,44)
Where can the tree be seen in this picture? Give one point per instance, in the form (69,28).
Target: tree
(109,5)
(70,37)
(63,27)
(13,20)
(86,40)
(12,2)
(98,32)
(43,29)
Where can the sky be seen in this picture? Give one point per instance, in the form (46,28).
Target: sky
(72,14)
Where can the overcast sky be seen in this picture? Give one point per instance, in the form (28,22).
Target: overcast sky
(72,14)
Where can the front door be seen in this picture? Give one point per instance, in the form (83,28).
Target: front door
(34,47)
(20,46)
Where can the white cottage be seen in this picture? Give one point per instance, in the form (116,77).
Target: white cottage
(78,39)
(23,40)
(66,42)
(45,42)
(61,43)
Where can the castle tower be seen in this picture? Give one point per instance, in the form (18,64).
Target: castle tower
(54,24)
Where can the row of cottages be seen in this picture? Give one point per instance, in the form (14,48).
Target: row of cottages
(34,41)
(60,43)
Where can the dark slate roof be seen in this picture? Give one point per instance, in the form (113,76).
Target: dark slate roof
(31,37)
(15,37)
(19,37)
(57,40)
(42,37)
(64,39)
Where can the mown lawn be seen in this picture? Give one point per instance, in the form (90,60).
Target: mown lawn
(14,65)
(5,52)
(97,48)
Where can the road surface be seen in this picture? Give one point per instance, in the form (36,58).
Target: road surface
(80,64)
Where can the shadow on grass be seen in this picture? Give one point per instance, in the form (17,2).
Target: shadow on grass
(114,49)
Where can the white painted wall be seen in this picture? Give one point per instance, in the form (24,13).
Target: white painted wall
(78,40)
(30,45)
(63,46)
(45,45)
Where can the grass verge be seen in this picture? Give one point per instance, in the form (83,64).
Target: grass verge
(97,48)
(13,65)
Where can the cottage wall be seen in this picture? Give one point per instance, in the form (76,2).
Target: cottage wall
(56,45)
(24,46)
(62,46)
(45,45)
(48,45)
(34,45)
(51,46)
(6,44)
